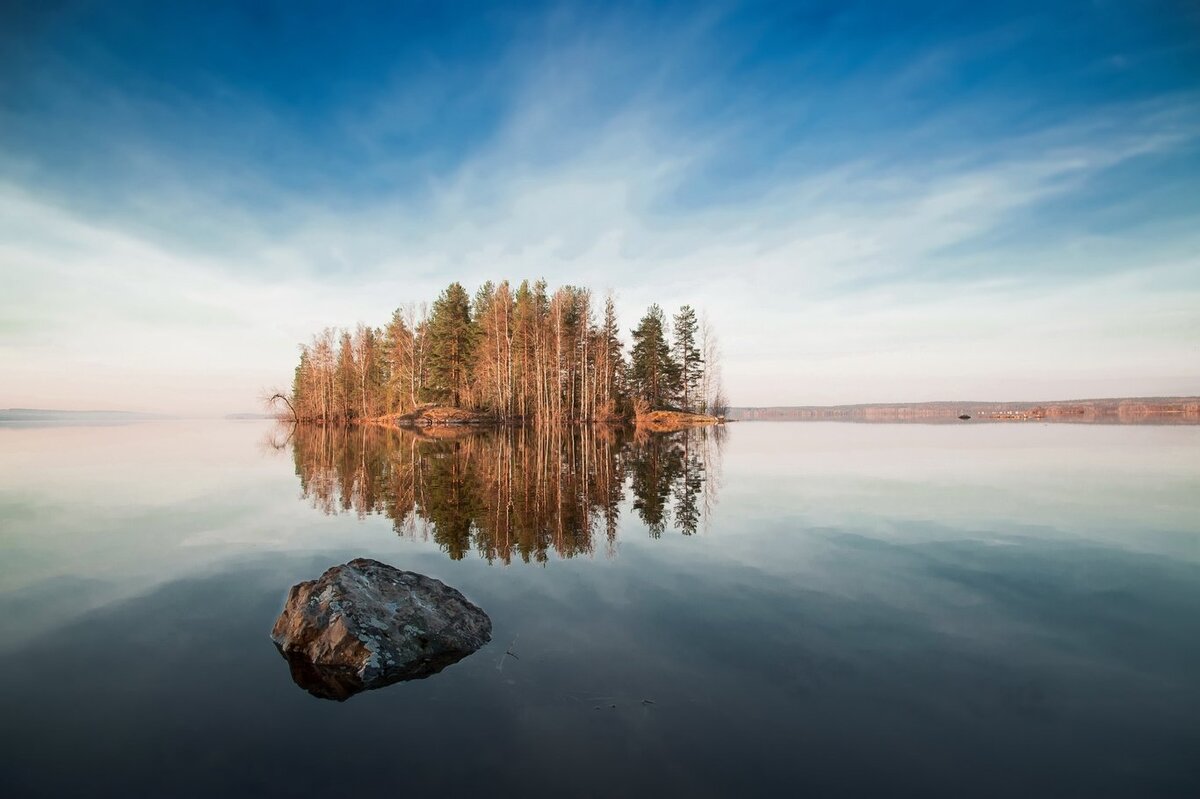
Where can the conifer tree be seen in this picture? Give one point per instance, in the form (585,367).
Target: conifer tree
(688,361)
(612,357)
(652,371)
(450,345)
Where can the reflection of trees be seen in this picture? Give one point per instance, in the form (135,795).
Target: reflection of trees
(669,477)
(513,492)
(653,468)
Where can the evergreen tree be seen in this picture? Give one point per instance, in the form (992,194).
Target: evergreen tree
(688,362)
(652,370)
(612,353)
(450,345)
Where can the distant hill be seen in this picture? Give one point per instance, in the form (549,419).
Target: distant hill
(1127,410)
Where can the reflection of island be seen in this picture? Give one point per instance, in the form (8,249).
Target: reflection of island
(508,492)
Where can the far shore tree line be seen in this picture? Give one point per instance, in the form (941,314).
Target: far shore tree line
(526,354)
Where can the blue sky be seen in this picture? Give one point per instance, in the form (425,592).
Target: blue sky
(872,202)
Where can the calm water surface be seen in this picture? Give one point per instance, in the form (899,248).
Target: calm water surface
(785,608)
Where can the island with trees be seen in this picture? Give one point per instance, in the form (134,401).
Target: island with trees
(511,356)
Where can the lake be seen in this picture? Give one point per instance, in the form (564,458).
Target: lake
(767,609)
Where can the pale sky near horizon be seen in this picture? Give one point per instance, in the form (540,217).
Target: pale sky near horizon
(872,203)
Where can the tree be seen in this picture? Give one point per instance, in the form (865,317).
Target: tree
(492,316)
(320,376)
(346,380)
(611,361)
(369,370)
(712,387)
(652,370)
(524,336)
(398,341)
(688,361)
(451,340)
(302,403)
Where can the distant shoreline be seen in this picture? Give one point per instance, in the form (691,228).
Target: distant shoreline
(1116,410)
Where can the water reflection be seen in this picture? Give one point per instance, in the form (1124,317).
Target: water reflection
(513,492)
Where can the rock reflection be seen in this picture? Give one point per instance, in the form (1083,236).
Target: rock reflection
(510,493)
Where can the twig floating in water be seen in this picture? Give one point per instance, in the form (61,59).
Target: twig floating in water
(507,652)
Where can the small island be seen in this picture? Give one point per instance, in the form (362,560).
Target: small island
(508,356)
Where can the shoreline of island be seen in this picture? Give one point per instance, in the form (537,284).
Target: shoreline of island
(435,416)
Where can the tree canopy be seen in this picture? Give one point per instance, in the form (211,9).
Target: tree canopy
(527,353)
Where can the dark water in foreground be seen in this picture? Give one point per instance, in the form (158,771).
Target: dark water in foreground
(795,608)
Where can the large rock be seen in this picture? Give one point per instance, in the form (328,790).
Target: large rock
(366,625)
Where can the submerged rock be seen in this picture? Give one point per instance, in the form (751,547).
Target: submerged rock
(365,625)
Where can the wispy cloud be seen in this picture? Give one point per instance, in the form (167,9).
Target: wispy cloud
(927,262)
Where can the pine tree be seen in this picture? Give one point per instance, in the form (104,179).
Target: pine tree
(450,345)
(652,371)
(688,362)
(612,353)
